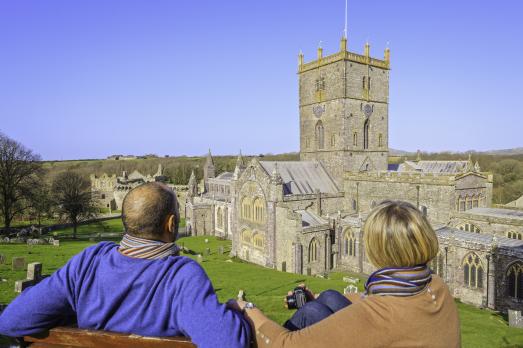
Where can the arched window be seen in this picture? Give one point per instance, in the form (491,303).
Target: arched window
(349,244)
(373,204)
(380,140)
(355,139)
(472,271)
(366,134)
(423,210)
(364,82)
(469,227)
(354,205)
(314,250)
(246,212)
(514,235)
(515,280)
(246,236)
(437,264)
(258,240)
(219,217)
(369,83)
(259,210)
(320,141)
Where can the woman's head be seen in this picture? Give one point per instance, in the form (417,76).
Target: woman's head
(396,234)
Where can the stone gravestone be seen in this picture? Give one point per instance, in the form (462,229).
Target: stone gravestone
(351,280)
(2,259)
(220,250)
(56,242)
(351,289)
(515,319)
(207,251)
(199,258)
(34,275)
(18,263)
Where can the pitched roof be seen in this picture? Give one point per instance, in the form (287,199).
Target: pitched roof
(225,176)
(310,219)
(302,177)
(480,238)
(434,166)
(497,212)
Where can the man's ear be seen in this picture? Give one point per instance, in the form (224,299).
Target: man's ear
(171,223)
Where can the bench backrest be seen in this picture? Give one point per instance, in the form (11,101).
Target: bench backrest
(74,337)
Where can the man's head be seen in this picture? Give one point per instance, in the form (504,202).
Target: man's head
(151,211)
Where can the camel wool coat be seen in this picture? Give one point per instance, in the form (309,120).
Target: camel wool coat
(428,319)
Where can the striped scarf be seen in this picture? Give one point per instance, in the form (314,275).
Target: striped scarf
(399,281)
(146,248)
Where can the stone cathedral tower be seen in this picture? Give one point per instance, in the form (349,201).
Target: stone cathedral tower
(344,109)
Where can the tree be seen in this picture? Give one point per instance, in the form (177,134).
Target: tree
(40,201)
(18,169)
(72,198)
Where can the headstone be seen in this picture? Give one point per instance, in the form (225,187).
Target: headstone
(199,258)
(241,295)
(56,242)
(18,264)
(34,271)
(206,241)
(351,280)
(220,250)
(351,289)
(309,271)
(515,319)
(6,240)
(207,251)
(2,259)
(34,275)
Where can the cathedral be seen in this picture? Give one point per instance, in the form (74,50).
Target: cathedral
(306,216)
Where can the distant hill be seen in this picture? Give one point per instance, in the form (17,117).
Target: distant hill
(502,152)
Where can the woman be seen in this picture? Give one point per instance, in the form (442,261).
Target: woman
(404,305)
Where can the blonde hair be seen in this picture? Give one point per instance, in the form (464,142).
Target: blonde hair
(396,234)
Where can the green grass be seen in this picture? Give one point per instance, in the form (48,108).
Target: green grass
(265,287)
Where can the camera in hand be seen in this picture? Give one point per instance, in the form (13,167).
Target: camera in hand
(297,299)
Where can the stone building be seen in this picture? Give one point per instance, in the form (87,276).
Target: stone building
(306,216)
(110,190)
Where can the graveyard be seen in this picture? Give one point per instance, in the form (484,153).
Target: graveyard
(265,287)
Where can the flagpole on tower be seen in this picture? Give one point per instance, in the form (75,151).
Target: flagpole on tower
(345,30)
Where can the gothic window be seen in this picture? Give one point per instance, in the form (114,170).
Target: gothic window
(373,204)
(349,244)
(320,135)
(515,280)
(246,212)
(314,250)
(514,235)
(333,140)
(423,210)
(246,236)
(369,82)
(466,226)
(472,271)
(437,264)
(320,84)
(219,217)
(259,210)
(258,240)
(380,140)
(103,195)
(354,204)
(355,139)
(366,134)
(364,82)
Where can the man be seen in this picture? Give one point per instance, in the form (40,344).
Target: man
(139,287)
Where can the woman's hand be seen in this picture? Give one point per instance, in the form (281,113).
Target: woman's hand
(237,305)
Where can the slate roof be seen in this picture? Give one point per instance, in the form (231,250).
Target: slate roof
(485,239)
(310,219)
(434,166)
(497,212)
(225,176)
(302,177)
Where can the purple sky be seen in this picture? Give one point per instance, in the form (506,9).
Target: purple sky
(87,79)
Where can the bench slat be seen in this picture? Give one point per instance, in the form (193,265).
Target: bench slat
(74,337)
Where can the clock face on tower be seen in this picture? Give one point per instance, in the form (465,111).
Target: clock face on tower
(367,110)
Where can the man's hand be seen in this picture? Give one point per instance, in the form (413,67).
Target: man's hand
(310,295)
(236,305)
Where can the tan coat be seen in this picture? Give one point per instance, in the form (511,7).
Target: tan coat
(428,319)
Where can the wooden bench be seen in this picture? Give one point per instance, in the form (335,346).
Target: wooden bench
(74,337)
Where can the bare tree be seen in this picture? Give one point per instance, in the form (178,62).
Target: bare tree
(18,168)
(72,198)
(40,201)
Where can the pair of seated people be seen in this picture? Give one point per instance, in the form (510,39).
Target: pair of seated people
(143,287)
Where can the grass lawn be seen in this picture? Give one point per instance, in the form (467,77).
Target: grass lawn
(265,287)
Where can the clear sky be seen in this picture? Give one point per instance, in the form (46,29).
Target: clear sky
(87,79)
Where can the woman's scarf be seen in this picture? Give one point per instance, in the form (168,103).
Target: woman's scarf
(146,248)
(399,281)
